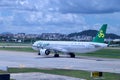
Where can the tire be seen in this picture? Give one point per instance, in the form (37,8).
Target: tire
(72,55)
(56,55)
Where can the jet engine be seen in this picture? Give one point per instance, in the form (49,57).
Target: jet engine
(44,52)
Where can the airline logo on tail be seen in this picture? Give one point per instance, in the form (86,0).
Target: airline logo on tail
(101,34)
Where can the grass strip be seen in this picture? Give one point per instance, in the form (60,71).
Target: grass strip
(104,53)
(65,72)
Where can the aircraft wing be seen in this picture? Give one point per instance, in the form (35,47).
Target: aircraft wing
(58,49)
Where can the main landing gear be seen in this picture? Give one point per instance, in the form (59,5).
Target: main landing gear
(56,55)
(72,55)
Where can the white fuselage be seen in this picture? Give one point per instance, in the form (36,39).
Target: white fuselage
(69,46)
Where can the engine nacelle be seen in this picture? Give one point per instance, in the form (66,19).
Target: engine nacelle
(44,52)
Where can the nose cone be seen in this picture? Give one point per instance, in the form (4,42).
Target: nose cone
(34,46)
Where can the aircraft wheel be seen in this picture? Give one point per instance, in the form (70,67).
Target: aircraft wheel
(72,55)
(56,55)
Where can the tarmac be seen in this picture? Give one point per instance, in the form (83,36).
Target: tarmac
(32,60)
(28,59)
(40,76)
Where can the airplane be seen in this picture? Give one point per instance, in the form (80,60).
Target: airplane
(71,47)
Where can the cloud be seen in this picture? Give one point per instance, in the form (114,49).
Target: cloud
(63,6)
(63,16)
(89,6)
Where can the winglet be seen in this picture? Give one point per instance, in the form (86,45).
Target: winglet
(101,34)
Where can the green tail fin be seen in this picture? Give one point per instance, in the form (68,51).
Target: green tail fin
(101,34)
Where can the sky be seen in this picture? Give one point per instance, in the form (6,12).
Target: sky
(58,16)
